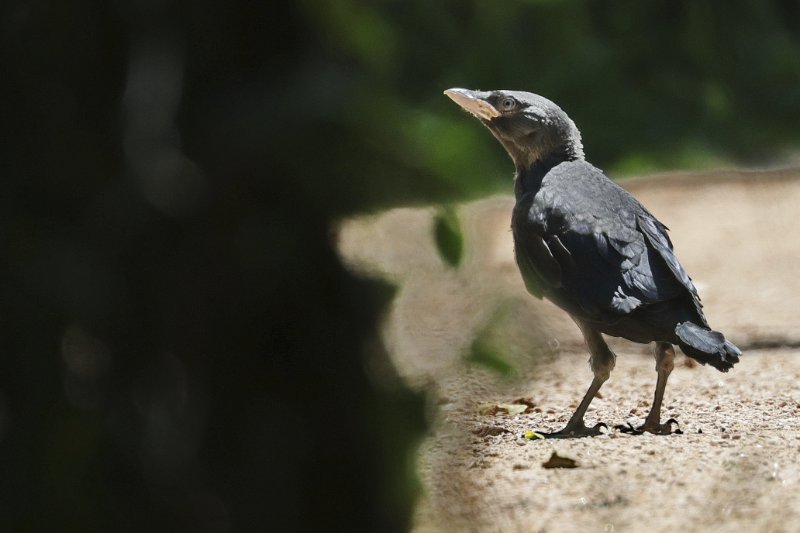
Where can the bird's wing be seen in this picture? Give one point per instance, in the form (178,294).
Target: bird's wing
(615,271)
(620,257)
(656,234)
(539,267)
(657,237)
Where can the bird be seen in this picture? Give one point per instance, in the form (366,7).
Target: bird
(587,245)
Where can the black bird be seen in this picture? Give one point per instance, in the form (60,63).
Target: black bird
(591,248)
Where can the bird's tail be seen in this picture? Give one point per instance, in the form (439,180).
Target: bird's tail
(707,346)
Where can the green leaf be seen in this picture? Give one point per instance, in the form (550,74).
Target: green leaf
(483,353)
(448,236)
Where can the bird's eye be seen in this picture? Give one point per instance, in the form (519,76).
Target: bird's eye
(507,104)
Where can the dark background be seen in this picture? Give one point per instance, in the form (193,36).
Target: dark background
(180,348)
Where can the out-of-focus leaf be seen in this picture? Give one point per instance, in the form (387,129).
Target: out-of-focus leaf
(448,236)
(532,435)
(483,353)
(489,344)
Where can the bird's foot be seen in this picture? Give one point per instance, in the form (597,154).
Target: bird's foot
(575,430)
(654,428)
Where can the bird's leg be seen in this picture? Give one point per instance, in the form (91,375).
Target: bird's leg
(576,427)
(602,360)
(665,362)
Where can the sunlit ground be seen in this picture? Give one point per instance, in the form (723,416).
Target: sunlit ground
(466,332)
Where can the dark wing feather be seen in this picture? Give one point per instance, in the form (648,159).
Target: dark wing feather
(656,234)
(539,268)
(612,255)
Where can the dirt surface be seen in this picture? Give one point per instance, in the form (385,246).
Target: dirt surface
(735,466)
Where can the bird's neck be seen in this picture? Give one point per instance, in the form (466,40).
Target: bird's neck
(529,178)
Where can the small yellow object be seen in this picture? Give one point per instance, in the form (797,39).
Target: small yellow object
(531,435)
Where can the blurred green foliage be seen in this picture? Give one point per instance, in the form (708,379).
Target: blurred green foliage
(181,348)
(488,355)
(490,347)
(652,85)
(448,236)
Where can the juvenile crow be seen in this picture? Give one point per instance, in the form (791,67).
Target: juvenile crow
(592,249)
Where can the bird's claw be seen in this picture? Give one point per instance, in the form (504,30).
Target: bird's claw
(574,431)
(655,429)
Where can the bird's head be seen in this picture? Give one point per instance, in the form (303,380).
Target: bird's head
(530,127)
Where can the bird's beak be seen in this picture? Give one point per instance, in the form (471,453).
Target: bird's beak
(474,102)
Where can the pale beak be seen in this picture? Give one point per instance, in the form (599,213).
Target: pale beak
(472,101)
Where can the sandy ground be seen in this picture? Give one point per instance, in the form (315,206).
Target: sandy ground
(734,468)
